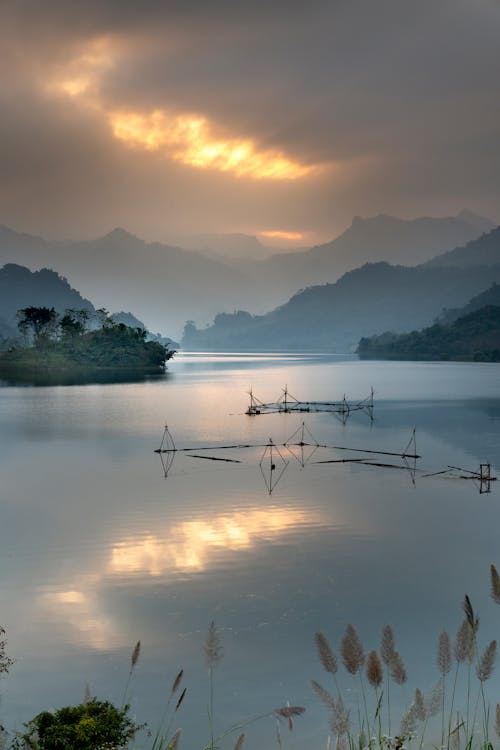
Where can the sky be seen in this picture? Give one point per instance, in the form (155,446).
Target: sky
(278,118)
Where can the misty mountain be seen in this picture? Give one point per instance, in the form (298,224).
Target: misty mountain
(381,238)
(19,288)
(333,317)
(166,285)
(490,296)
(484,250)
(230,248)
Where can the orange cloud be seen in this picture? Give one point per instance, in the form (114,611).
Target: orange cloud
(278,234)
(189,139)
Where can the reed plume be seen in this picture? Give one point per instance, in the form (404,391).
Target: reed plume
(161,734)
(326,654)
(352,650)
(419,706)
(397,669)
(495,584)
(434,700)
(339,718)
(387,648)
(239,742)
(213,646)
(444,666)
(135,655)
(486,663)
(463,648)
(374,672)
(177,682)
(497,719)
(469,613)
(133,661)
(387,652)
(323,694)
(444,653)
(181,698)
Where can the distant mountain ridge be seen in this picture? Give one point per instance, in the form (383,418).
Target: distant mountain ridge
(166,285)
(367,301)
(483,250)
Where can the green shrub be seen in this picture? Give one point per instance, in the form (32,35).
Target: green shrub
(94,725)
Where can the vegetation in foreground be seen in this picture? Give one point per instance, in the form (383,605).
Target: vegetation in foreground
(474,337)
(53,341)
(359,717)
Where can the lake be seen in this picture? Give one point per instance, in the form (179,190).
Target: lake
(99,549)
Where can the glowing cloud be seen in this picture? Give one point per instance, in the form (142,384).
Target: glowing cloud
(188,139)
(185,138)
(277,234)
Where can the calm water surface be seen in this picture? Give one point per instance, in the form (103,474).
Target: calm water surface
(98,549)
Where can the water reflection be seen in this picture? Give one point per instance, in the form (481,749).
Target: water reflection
(193,546)
(40,377)
(97,550)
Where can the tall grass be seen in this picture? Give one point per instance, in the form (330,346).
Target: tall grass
(367,724)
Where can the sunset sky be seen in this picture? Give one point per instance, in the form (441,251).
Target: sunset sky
(276,118)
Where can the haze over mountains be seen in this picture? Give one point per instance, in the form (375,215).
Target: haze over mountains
(166,285)
(370,300)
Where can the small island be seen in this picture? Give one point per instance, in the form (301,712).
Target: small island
(74,341)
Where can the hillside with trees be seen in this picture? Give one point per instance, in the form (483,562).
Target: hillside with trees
(472,337)
(53,341)
(20,288)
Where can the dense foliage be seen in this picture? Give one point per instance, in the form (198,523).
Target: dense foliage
(93,725)
(473,337)
(63,341)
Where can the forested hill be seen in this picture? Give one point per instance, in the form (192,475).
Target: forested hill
(370,300)
(20,287)
(484,250)
(475,337)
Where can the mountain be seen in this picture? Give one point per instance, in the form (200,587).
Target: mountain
(484,250)
(333,317)
(166,285)
(475,336)
(380,238)
(230,248)
(19,288)
(490,296)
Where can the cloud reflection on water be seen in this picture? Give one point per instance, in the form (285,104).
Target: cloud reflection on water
(187,547)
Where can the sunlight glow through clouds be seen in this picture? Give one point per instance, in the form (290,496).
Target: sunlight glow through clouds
(282,235)
(188,139)
(182,137)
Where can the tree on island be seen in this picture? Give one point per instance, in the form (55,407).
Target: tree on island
(62,341)
(40,322)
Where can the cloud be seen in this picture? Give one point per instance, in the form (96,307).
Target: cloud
(392,99)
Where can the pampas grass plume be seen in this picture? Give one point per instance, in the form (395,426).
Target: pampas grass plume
(374,669)
(213,646)
(326,653)
(387,648)
(352,650)
(444,653)
(486,663)
(495,584)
